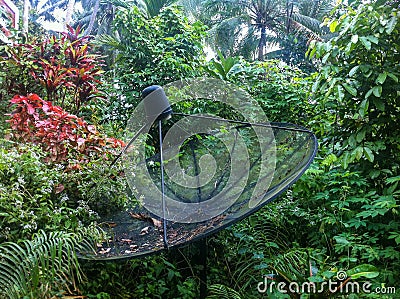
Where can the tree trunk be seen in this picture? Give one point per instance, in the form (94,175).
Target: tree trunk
(25,17)
(93,17)
(70,10)
(261,44)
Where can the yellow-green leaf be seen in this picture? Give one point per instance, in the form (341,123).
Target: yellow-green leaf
(364,270)
(333,25)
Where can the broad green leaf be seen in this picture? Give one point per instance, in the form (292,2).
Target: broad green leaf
(366,42)
(373,39)
(312,52)
(350,89)
(326,56)
(352,140)
(391,24)
(378,102)
(381,78)
(364,270)
(395,236)
(340,92)
(377,91)
(368,94)
(353,70)
(394,77)
(364,107)
(346,160)
(358,152)
(315,279)
(341,240)
(368,154)
(360,136)
(374,173)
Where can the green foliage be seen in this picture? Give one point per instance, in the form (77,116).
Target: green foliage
(359,83)
(353,221)
(39,268)
(342,215)
(155,50)
(224,68)
(281,90)
(250,27)
(218,291)
(37,195)
(31,197)
(148,277)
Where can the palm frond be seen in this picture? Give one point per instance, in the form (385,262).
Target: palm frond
(110,40)
(120,3)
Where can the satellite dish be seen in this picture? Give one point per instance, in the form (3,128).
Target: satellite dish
(203,172)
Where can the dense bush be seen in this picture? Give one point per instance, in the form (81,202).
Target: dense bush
(359,83)
(65,137)
(156,50)
(279,89)
(31,196)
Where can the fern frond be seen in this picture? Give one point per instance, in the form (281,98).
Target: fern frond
(220,291)
(40,266)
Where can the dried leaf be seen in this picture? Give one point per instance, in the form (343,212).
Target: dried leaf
(104,251)
(156,223)
(145,231)
(59,188)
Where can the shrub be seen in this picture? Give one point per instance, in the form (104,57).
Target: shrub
(156,50)
(31,196)
(57,132)
(60,70)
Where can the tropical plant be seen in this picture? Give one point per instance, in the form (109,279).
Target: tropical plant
(222,292)
(359,82)
(43,267)
(147,277)
(158,50)
(57,132)
(33,196)
(98,17)
(62,70)
(35,12)
(243,27)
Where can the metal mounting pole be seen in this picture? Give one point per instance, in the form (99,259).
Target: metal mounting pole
(162,186)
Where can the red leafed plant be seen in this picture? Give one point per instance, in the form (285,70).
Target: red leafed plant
(58,132)
(65,68)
